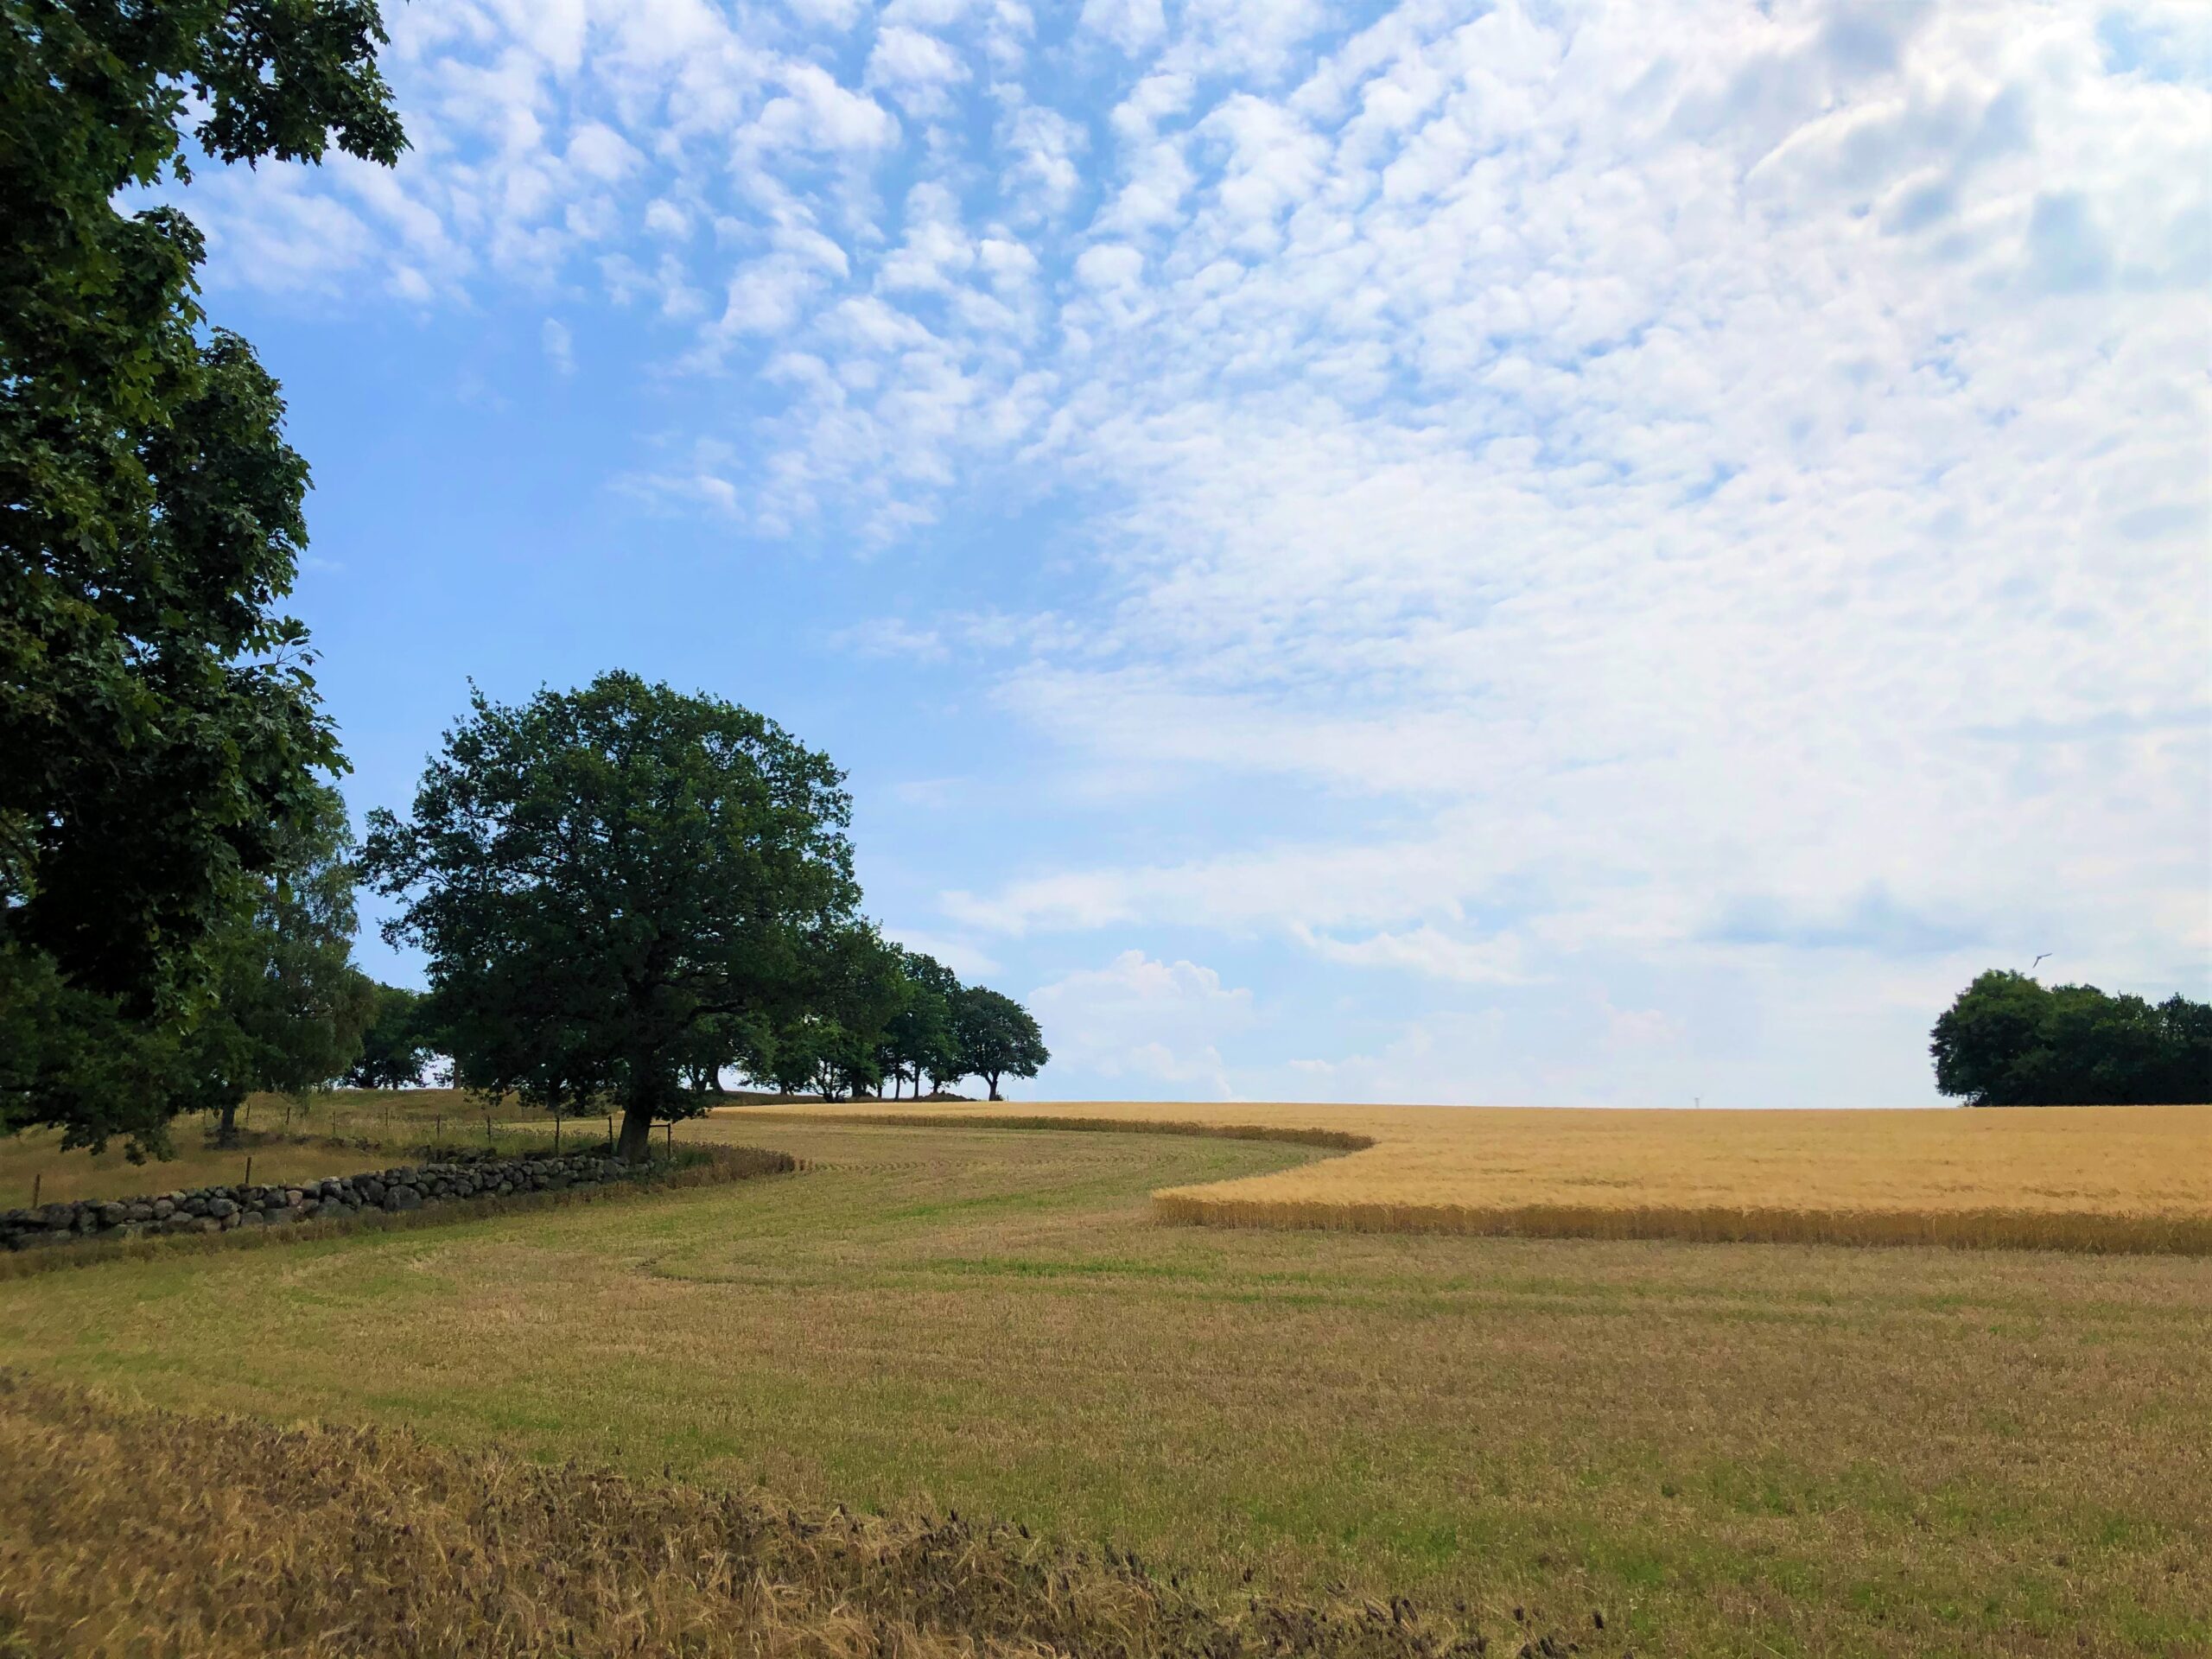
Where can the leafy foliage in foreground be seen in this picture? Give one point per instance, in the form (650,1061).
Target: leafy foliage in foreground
(340,1540)
(2009,1041)
(159,728)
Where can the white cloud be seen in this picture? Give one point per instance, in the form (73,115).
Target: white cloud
(1133,25)
(918,70)
(600,154)
(838,15)
(1143,1022)
(1110,265)
(1427,950)
(816,114)
(1628,467)
(964,957)
(1043,148)
(560,346)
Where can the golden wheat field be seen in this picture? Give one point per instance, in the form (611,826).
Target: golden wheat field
(2118,1177)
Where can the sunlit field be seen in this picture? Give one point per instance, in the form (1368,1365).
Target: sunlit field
(288,1139)
(2136,1178)
(1725,1449)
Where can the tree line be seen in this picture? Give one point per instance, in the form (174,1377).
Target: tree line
(624,892)
(2010,1040)
(671,954)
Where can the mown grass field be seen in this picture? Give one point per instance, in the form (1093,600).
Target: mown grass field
(2133,1177)
(1726,1449)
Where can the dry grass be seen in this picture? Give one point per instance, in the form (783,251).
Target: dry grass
(1734,1452)
(289,1140)
(130,1531)
(2103,1178)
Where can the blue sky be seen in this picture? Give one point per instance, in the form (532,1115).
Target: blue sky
(1571,554)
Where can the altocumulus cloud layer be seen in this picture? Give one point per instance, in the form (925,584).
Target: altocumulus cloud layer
(1688,528)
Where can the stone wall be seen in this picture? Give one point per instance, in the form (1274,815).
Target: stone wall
(219,1209)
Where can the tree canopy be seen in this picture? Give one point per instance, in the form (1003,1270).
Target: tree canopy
(998,1038)
(605,880)
(396,1046)
(160,730)
(921,1041)
(2008,1040)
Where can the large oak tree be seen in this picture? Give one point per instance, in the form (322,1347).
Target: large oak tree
(606,878)
(160,733)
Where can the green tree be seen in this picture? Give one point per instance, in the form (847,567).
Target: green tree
(396,1046)
(158,728)
(998,1037)
(602,876)
(831,1042)
(289,1005)
(2186,1073)
(918,1039)
(2008,1040)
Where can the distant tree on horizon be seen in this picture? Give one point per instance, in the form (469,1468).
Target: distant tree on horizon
(396,1046)
(998,1038)
(2009,1041)
(919,1039)
(616,887)
(834,1047)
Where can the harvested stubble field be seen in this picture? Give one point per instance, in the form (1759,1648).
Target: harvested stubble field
(1728,1449)
(2096,1178)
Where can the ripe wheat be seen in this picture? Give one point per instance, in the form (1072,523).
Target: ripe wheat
(124,1530)
(2089,1178)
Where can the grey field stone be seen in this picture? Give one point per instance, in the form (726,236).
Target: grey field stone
(221,1207)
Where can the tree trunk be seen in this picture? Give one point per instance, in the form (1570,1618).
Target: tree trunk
(636,1146)
(226,1129)
(991,1077)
